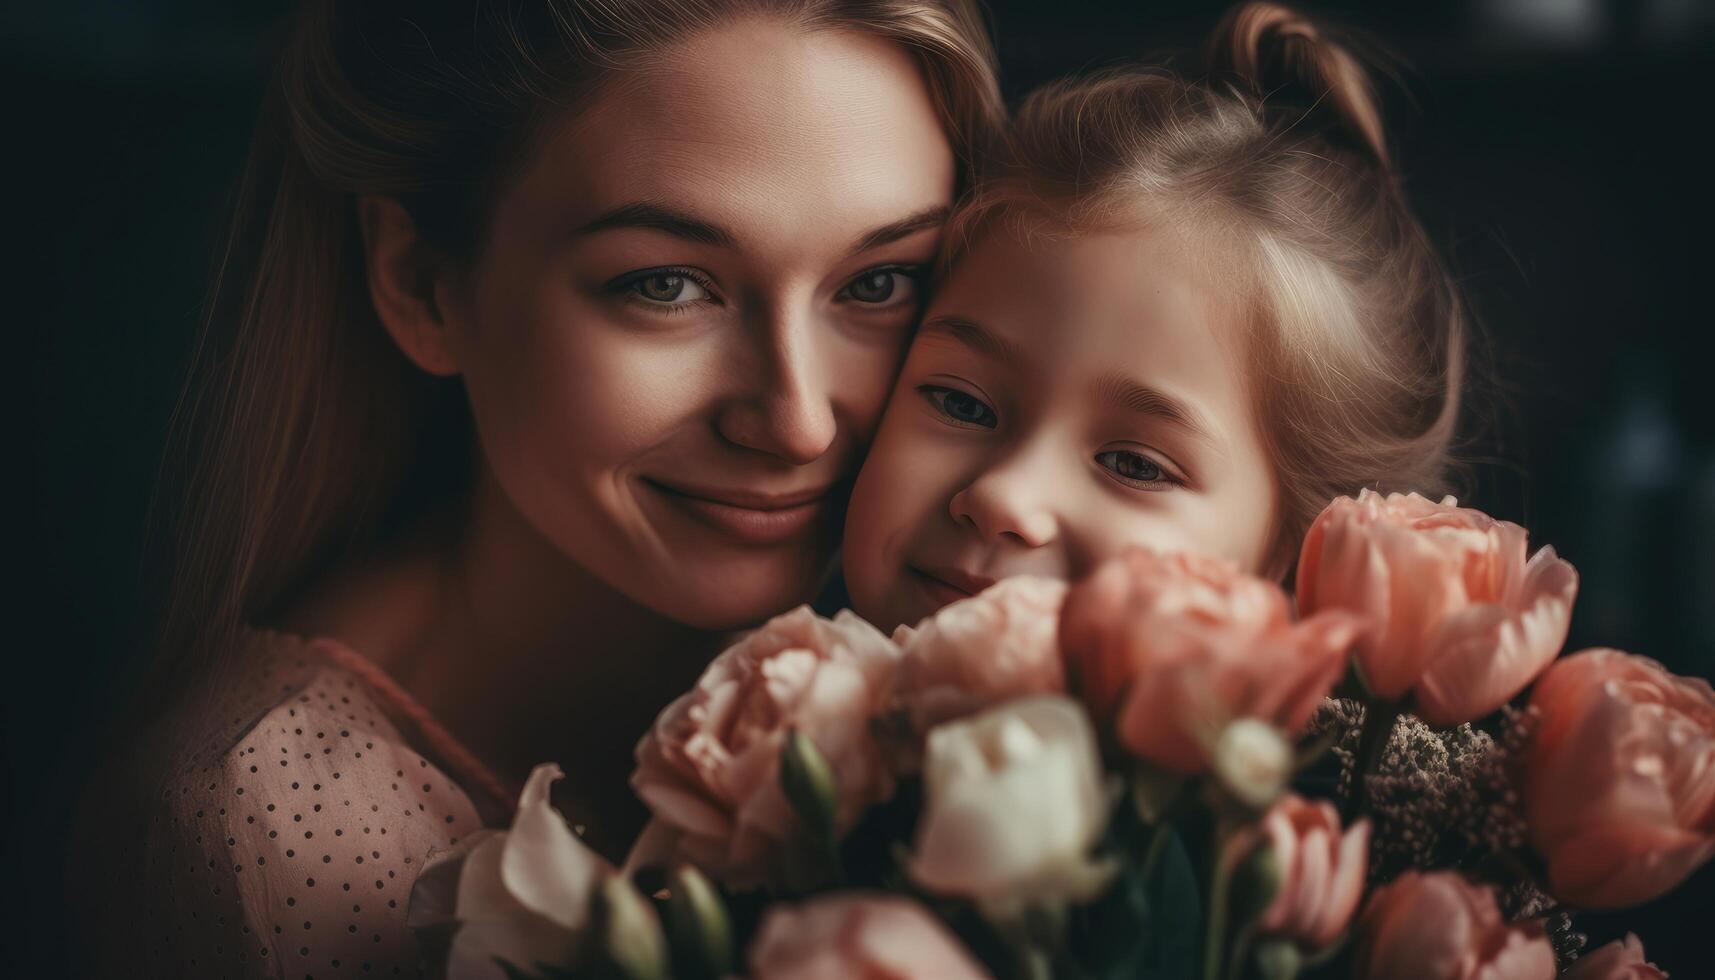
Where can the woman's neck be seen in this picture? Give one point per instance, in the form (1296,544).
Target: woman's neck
(520,653)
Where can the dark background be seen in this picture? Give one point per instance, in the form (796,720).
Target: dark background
(1555,147)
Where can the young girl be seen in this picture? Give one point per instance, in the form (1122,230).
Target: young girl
(1183,314)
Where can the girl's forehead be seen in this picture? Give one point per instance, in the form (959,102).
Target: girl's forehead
(1140,299)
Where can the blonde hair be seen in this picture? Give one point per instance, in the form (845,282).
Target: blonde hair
(304,434)
(1279,163)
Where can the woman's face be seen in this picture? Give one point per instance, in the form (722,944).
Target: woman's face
(1060,403)
(691,306)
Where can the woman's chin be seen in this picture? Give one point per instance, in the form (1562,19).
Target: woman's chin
(739,593)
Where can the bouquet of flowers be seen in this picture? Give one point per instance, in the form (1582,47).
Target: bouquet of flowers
(1163,770)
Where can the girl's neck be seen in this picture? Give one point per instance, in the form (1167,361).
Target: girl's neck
(523,655)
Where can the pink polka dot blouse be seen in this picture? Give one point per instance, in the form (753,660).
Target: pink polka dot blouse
(274,830)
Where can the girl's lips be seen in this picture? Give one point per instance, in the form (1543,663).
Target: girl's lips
(948,585)
(749,517)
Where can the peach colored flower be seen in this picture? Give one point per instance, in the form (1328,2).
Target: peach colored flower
(1321,871)
(1438,926)
(1168,649)
(709,768)
(1622,959)
(1618,779)
(858,936)
(1460,622)
(1013,806)
(977,652)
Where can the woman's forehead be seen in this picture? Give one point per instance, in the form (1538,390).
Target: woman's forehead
(762,129)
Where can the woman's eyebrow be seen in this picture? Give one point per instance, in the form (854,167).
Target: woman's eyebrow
(933,216)
(643,214)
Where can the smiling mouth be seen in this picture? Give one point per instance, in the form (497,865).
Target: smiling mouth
(948,584)
(747,516)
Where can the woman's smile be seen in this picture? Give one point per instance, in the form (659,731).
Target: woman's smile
(750,516)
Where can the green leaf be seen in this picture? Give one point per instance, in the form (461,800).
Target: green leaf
(1175,906)
(1143,928)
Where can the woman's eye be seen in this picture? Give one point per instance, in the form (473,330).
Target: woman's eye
(960,407)
(1134,467)
(668,287)
(883,286)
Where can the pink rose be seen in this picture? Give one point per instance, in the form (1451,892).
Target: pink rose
(709,769)
(1622,959)
(1618,780)
(857,936)
(1321,871)
(1438,926)
(1169,649)
(978,652)
(1460,622)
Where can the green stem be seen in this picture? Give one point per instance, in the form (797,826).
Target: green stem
(1220,882)
(1032,962)
(1241,950)
(1157,849)
(1380,719)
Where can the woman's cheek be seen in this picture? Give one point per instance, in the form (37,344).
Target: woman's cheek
(605,395)
(865,371)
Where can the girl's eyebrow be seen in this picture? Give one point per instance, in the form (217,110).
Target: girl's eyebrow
(1115,388)
(975,336)
(1123,392)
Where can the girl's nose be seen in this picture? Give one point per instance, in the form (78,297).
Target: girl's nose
(1008,504)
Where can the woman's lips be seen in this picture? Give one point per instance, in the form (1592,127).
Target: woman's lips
(749,516)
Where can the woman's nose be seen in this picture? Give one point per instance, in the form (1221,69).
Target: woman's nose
(783,401)
(1008,504)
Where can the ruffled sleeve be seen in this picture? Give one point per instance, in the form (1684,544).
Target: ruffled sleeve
(270,832)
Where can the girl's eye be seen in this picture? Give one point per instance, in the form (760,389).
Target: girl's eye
(883,287)
(960,407)
(668,287)
(1134,467)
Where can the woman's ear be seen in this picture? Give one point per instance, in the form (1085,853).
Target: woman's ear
(402,272)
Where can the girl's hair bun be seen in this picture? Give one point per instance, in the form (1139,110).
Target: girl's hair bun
(1293,65)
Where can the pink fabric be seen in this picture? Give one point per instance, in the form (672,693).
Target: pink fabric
(275,829)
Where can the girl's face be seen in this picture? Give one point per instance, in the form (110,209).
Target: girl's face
(691,304)
(1059,404)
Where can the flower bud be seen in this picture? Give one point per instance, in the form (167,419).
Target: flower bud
(1252,761)
(1279,959)
(631,932)
(809,784)
(701,931)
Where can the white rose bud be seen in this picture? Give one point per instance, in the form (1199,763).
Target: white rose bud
(1014,802)
(1252,761)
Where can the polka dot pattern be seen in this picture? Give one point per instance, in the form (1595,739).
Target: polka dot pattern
(285,842)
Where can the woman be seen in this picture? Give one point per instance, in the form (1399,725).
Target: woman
(544,348)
